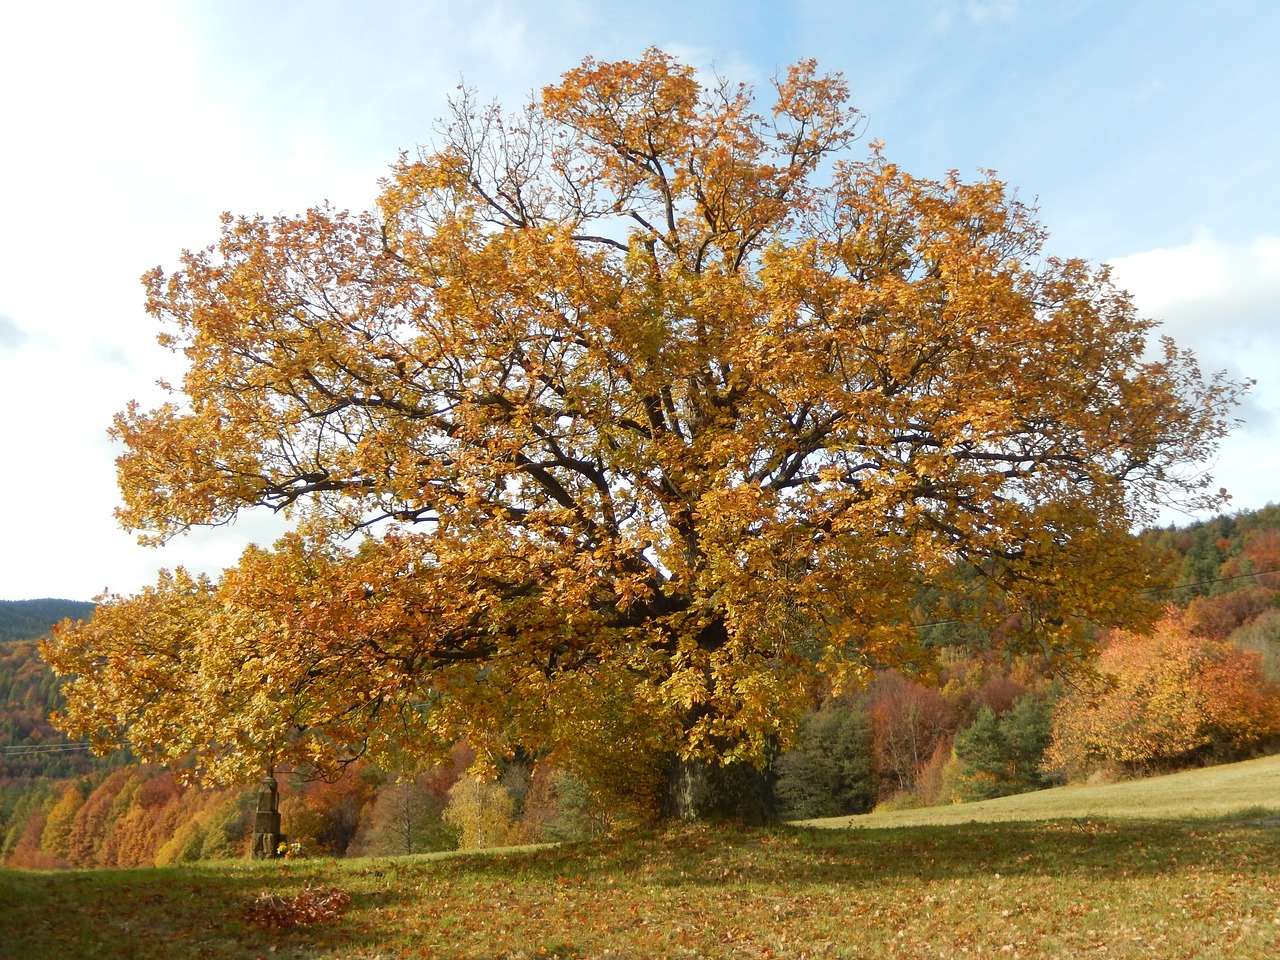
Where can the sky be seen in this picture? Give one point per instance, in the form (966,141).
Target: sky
(1146,131)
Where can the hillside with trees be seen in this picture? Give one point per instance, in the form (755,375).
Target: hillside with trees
(32,619)
(30,747)
(1201,688)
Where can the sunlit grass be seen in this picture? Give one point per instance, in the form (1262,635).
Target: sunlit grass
(1236,789)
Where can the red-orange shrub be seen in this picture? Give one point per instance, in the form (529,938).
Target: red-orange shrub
(1216,617)
(1165,700)
(908,721)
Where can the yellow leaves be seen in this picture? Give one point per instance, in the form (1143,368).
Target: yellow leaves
(445,172)
(481,811)
(640,109)
(125,664)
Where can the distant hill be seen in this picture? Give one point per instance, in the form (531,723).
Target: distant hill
(32,619)
(29,745)
(1228,553)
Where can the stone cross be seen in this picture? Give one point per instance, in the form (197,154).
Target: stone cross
(267,837)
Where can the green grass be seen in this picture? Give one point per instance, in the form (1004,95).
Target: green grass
(1233,790)
(1078,887)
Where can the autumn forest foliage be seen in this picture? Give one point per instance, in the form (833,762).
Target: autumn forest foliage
(667,454)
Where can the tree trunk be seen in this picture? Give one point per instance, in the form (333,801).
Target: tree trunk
(700,790)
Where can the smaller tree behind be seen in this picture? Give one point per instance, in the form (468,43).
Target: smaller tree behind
(481,812)
(1001,754)
(406,818)
(57,829)
(560,806)
(324,816)
(909,721)
(828,772)
(1262,635)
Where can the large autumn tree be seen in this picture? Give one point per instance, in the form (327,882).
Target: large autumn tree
(622,418)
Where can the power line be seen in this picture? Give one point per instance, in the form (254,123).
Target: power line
(31,749)
(1203,583)
(1176,586)
(36,749)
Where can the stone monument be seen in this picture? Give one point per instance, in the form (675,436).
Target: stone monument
(267,838)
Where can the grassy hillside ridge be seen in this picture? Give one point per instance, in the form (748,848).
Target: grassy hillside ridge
(1211,792)
(32,619)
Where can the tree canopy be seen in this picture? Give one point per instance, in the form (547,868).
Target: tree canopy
(623,418)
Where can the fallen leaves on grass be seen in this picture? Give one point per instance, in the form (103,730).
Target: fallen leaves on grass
(309,905)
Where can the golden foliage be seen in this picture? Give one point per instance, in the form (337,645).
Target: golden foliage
(481,812)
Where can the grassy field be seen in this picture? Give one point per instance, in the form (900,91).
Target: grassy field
(1078,887)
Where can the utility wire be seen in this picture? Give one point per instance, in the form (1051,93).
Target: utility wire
(35,749)
(1176,586)
(1203,583)
(32,749)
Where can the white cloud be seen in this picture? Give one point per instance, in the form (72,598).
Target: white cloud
(1147,91)
(977,12)
(499,35)
(1220,300)
(986,11)
(109,354)
(1202,270)
(708,68)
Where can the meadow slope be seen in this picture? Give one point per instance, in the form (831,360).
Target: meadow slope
(1251,787)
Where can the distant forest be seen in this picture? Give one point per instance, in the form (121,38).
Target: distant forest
(32,619)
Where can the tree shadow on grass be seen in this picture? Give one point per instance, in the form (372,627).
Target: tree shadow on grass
(1086,848)
(199,911)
